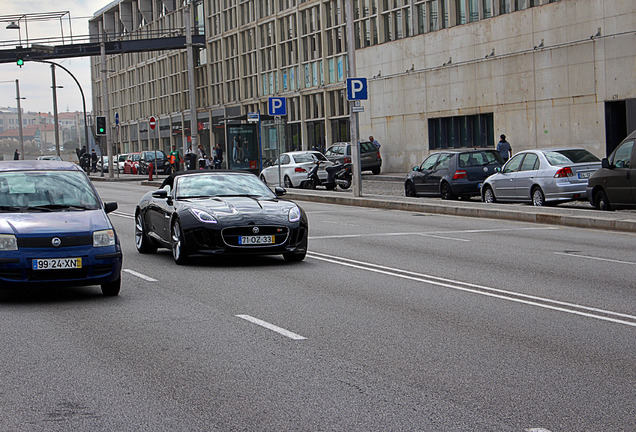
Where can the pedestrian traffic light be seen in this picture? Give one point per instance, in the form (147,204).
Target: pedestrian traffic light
(101,125)
(20,60)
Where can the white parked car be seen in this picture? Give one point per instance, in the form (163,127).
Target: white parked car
(121,159)
(294,167)
(104,160)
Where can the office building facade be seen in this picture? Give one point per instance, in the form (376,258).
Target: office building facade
(441,74)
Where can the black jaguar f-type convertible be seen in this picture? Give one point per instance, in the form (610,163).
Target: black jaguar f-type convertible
(220,212)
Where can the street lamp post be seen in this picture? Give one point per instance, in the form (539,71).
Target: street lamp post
(55,116)
(17,96)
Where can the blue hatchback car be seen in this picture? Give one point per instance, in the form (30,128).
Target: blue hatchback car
(54,230)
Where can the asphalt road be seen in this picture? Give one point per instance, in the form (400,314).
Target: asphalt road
(395,321)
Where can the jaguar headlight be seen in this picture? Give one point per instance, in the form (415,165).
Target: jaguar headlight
(203,216)
(8,242)
(104,238)
(294,214)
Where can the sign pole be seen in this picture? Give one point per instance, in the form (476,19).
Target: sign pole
(152,123)
(353,122)
(277,107)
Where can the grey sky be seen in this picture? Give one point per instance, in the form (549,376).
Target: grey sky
(35,78)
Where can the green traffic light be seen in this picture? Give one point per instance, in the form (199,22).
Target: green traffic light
(20,62)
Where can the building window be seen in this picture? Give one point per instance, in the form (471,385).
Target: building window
(461,132)
(487,8)
(420,12)
(365,14)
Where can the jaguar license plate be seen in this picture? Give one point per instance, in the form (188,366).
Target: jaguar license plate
(57,264)
(256,240)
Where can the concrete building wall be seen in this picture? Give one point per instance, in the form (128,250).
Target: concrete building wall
(545,73)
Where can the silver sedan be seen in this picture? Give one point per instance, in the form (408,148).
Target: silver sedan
(542,176)
(294,167)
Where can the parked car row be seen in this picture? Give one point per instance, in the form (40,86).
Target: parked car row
(539,177)
(139,162)
(291,168)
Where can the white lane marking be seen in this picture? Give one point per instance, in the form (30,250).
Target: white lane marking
(124,215)
(139,275)
(442,237)
(540,429)
(432,233)
(271,327)
(482,290)
(595,258)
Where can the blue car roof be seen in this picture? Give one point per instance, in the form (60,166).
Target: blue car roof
(34,165)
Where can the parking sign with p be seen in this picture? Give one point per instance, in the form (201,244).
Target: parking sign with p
(277,106)
(356,89)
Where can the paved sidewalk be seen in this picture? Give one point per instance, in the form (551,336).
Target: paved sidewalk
(387,191)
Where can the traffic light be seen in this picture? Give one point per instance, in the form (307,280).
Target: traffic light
(101,125)
(19,60)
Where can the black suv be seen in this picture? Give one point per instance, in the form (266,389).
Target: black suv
(148,157)
(370,159)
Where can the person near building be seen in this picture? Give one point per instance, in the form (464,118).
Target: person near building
(504,148)
(202,156)
(174,158)
(16,155)
(85,161)
(218,156)
(374,141)
(94,161)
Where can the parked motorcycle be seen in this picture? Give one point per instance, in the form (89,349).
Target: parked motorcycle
(338,175)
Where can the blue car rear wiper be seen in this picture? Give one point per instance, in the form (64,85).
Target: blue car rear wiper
(51,207)
(9,208)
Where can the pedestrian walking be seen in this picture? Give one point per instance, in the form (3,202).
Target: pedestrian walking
(504,148)
(174,157)
(16,155)
(218,156)
(94,161)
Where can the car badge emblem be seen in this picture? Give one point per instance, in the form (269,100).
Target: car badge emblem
(56,242)
(485,169)
(255,230)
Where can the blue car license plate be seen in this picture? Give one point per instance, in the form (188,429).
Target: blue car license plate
(57,263)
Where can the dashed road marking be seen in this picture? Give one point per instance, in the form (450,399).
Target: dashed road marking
(140,275)
(271,327)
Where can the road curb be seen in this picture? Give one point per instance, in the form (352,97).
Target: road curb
(626,225)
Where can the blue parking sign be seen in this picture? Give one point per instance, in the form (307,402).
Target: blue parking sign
(357,89)
(277,106)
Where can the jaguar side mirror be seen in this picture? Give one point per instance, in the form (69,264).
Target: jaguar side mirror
(161,193)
